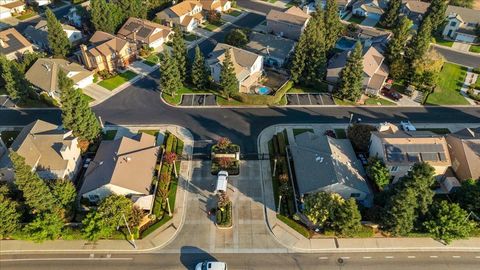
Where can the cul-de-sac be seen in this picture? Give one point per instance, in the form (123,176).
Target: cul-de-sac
(239,134)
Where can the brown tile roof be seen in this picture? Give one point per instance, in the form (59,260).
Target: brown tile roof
(106,44)
(372,59)
(12,41)
(210,4)
(146,31)
(126,162)
(293,15)
(184,7)
(43,73)
(242,60)
(466,14)
(416,6)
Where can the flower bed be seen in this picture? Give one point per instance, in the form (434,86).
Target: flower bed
(224,218)
(233,168)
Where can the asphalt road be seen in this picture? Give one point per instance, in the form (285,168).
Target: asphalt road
(185,260)
(459,57)
(140,104)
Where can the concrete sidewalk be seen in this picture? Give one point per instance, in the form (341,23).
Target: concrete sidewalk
(158,239)
(292,240)
(470,78)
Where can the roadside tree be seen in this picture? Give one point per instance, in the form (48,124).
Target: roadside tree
(10,213)
(170,78)
(333,25)
(179,52)
(351,77)
(199,73)
(346,218)
(46,226)
(359,135)
(391,15)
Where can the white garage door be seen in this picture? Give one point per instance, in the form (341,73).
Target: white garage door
(83,83)
(464,38)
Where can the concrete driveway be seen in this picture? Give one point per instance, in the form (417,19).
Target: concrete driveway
(461,46)
(249,232)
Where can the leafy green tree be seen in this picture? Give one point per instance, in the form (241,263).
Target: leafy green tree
(9,213)
(378,172)
(46,226)
(199,73)
(420,43)
(396,48)
(447,221)
(170,80)
(237,38)
(65,193)
(333,25)
(420,178)
(346,218)
(228,79)
(57,38)
(133,8)
(436,13)
(467,196)
(76,114)
(106,16)
(391,15)
(319,207)
(359,135)
(351,77)
(8,80)
(462,3)
(179,52)
(36,193)
(400,212)
(104,221)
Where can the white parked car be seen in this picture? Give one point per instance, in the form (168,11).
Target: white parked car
(222,181)
(407,126)
(211,266)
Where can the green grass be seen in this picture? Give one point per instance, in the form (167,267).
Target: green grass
(155,226)
(117,80)
(212,26)
(476,85)
(341,133)
(87,97)
(298,131)
(190,37)
(235,13)
(440,41)
(377,100)
(294,225)
(109,135)
(356,19)
(152,60)
(474,49)
(153,132)
(447,91)
(439,131)
(28,14)
(8,136)
(270,1)
(177,98)
(343,102)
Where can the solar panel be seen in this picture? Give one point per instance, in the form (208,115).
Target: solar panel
(429,156)
(413,157)
(396,157)
(442,156)
(132,26)
(144,32)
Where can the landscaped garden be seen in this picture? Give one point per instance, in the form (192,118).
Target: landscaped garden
(117,80)
(152,59)
(87,97)
(225,157)
(109,135)
(190,37)
(223,212)
(450,81)
(28,13)
(235,13)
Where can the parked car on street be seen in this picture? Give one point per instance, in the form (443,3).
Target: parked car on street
(407,126)
(211,266)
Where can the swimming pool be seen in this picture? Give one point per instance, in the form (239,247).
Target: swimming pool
(345,43)
(263,90)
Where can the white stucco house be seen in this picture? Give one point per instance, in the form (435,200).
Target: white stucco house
(461,23)
(187,15)
(11,7)
(368,8)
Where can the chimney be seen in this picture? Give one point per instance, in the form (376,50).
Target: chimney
(134,34)
(86,58)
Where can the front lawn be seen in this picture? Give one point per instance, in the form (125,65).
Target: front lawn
(441,41)
(87,97)
(152,60)
(153,132)
(447,92)
(298,131)
(235,13)
(212,26)
(117,80)
(378,101)
(27,14)
(356,19)
(344,102)
(474,49)
(190,37)
(297,89)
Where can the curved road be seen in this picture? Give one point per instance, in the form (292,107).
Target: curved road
(140,104)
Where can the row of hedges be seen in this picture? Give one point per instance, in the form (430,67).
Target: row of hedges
(231,149)
(233,169)
(471,94)
(254,99)
(172,144)
(224,218)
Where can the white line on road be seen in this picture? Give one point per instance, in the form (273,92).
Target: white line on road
(456,257)
(65,259)
(411,257)
(433,256)
(323,258)
(389,257)
(477,257)
(366,257)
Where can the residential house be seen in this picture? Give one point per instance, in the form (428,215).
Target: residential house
(322,163)
(144,32)
(461,24)
(107,52)
(368,36)
(464,147)
(124,166)
(289,24)
(343,6)
(414,10)
(44,75)
(186,14)
(274,49)
(372,9)
(75,16)
(248,66)
(11,7)
(375,70)
(13,45)
(400,150)
(216,5)
(40,2)
(49,149)
(38,34)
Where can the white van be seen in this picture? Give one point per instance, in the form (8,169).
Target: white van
(222,182)
(211,266)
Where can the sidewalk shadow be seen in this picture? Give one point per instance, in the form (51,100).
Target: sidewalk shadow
(190,256)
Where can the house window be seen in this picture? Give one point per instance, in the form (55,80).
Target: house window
(355,195)
(453,23)
(394,169)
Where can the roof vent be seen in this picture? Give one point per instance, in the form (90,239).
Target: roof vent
(128,159)
(47,67)
(319,159)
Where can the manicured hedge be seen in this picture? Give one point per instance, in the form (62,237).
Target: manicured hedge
(224,219)
(295,225)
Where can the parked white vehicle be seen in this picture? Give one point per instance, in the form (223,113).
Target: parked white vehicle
(222,182)
(211,266)
(407,126)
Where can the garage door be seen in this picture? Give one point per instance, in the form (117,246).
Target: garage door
(85,82)
(464,38)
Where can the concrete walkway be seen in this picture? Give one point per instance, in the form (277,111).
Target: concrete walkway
(161,237)
(461,46)
(292,240)
(470,78)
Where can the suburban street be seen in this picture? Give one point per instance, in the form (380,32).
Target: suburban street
(456,57)
(189,256)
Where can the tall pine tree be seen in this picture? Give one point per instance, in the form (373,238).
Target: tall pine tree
(179,52)
(392,14)
(199,72)
(436,13)
(351,77)
(419,44)
(228,80)
(13,79)
(106,17)
(10,213)
(170,80)
(133,8)
(299,57)
(76,114)
(396,48)
(57,38)
(315,63)
(333,25)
